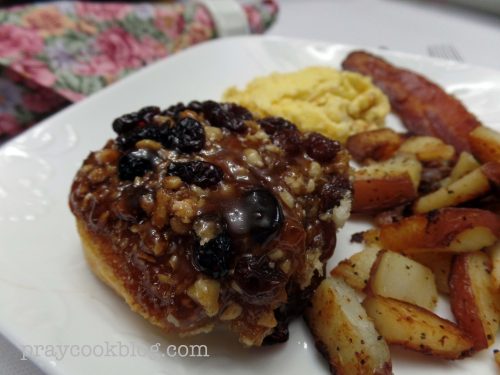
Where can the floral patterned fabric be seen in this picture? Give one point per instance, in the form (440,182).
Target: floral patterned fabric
(53,54)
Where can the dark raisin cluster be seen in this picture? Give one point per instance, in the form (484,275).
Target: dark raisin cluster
(286,136)
(196,172)
(185,135)
(259,282)
(135,163)
(215,257)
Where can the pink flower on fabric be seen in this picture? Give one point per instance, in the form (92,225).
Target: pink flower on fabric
(202,16)
(198,34)
(48,21)
(170,21)
(102,12)
(152,49)
(120,47)
(118,50)
(9,125)
(35,70)
(42,101)
(97,66)
(16,41)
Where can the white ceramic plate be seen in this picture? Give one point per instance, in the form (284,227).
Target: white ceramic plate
(48,296)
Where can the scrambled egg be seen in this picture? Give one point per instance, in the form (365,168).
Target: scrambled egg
(321,99)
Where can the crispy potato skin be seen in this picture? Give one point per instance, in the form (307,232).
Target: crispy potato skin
(356,270)
(379,194)
(466,305)
(379,144)
(416,328)
(386,184)
(424,107)
(485,144)
(466,313)
(473,185)
(436,229)
(344,334)
(492,171)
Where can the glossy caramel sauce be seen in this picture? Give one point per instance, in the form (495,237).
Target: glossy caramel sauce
(154,224)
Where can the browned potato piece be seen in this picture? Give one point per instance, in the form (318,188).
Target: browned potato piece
(494,253)
(440,264)
(466,188)
(371,238)
(427,148)
(472,300)
(343,332)
(497,357)
(387,184)
(466,163)
(378,145)
(415,328)
(485,144)
(396,276)
(448,229)
(492,171)
(355,270)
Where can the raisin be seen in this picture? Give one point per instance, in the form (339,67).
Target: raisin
(283,133)
(279,335)
(272,125)
(226,115)
(133,164)
(321,148)
(332,192)
(131,121)
(174,110)
(153,132)
(195,106)
(125,123)
(215,257)
(187,136)
(196,172)
(259,215)
(146,114)
(259,282)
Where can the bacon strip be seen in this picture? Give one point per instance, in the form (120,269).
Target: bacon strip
(424,107)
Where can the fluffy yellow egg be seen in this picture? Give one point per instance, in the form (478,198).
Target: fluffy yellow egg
(334,103)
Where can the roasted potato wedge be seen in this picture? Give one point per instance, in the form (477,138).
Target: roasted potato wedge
(440,264)
(343,332)
(387,184)
(355,270)
(378,145)
(494,253)
(485,144)
(492,171)
(466,163)
(448,229)
(394,275)
(415,328)
(472,299)
(427,148)
(473,185)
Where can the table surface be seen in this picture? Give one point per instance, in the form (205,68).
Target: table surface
(419,27)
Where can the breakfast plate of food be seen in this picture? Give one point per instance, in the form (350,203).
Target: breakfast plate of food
(260,205)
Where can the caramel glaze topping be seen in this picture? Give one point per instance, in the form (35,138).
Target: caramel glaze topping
(249,223)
